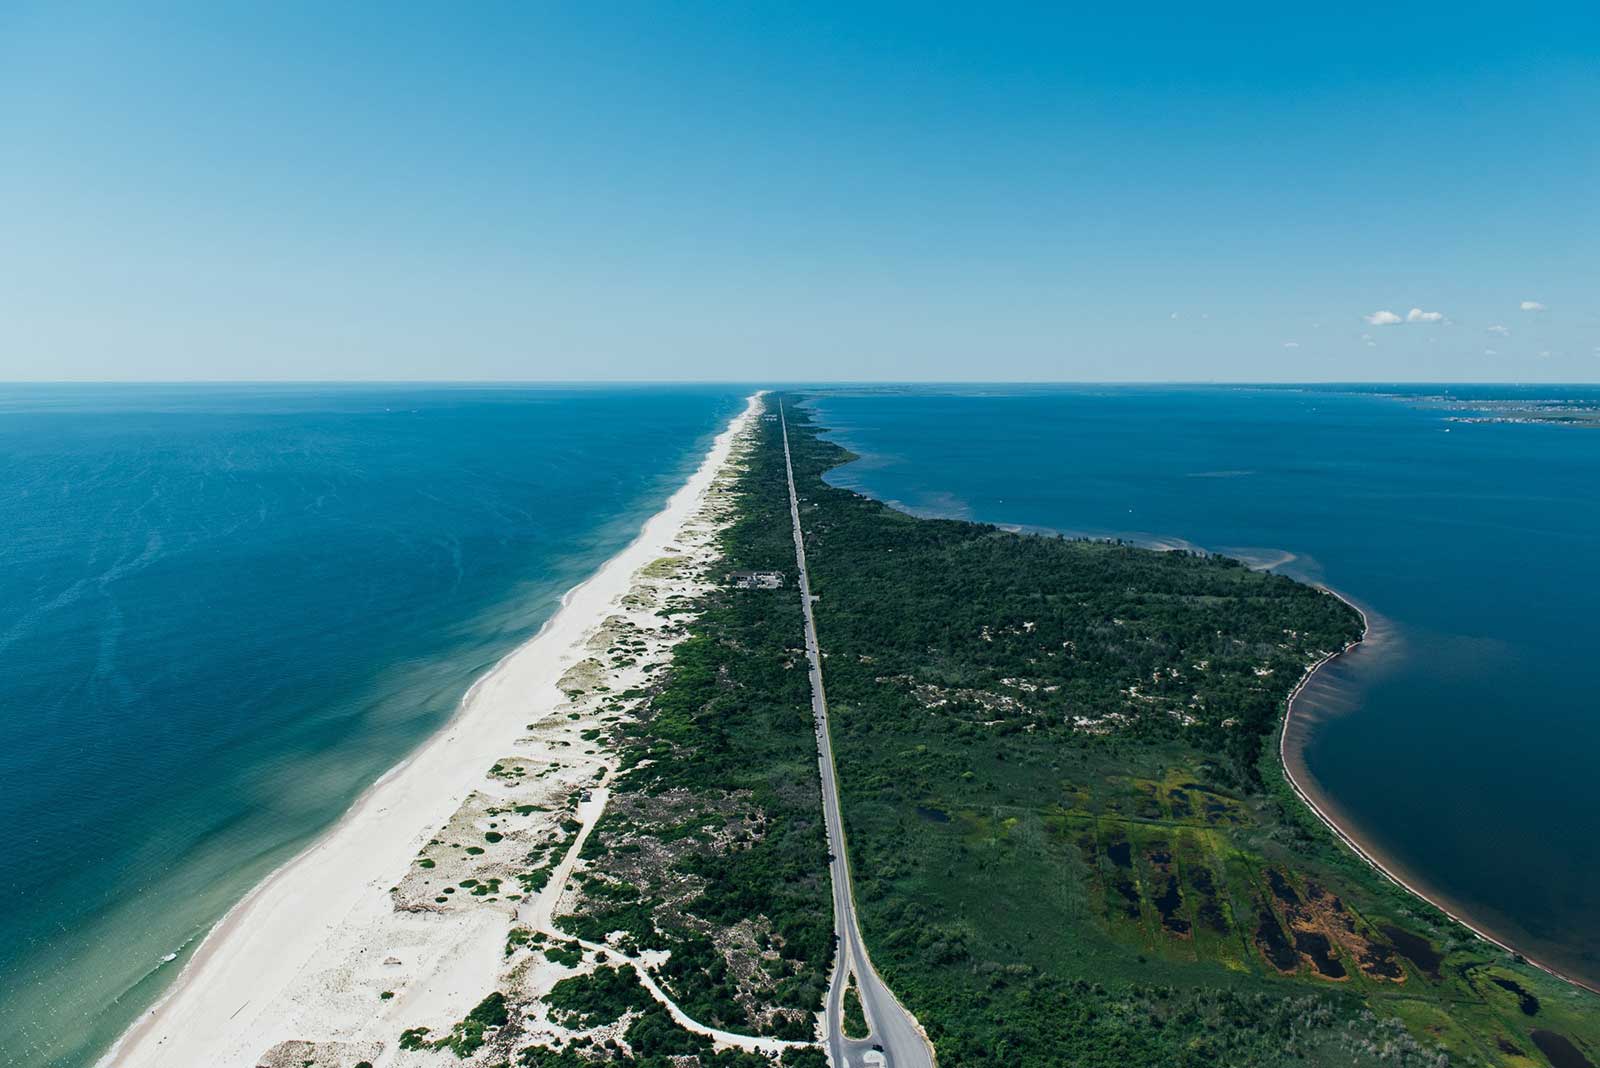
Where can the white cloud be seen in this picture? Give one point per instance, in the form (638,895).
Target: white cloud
(1532,305)
(1499,330)
(1490,352)
(1291,344)
(1385,317)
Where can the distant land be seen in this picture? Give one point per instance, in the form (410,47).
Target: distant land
(1545,405)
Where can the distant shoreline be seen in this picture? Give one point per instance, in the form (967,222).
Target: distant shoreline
(1348,837)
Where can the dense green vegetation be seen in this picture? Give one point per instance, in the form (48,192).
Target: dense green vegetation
(712,845)
(855,1017)
(581,1002)
(1072,842)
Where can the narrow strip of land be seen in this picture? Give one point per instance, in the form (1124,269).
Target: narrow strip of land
(893,1037)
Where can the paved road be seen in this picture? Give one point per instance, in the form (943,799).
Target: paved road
(894,1040)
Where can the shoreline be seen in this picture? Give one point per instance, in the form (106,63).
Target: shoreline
(1349,838)
(266,940)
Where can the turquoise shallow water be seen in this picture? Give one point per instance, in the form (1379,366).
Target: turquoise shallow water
(1463,746)
(225,611)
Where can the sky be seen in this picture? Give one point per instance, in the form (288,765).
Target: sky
(779,192)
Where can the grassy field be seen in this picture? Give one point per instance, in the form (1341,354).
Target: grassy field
(1071,838)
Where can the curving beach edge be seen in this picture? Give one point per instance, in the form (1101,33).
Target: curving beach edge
(256,976)
(1307,790)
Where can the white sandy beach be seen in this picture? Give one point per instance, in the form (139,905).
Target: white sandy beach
(343,947)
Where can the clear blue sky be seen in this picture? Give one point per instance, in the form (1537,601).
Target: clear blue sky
(760,192)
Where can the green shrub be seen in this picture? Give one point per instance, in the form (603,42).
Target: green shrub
(600,997)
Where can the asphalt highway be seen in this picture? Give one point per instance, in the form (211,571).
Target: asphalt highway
(894,1039)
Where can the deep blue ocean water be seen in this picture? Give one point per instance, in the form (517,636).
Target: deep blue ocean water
(1464,747)
(225,611)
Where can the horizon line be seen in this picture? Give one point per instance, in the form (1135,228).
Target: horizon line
(784,383)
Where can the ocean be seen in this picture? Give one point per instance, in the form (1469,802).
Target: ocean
(225,611)
(1460,745)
